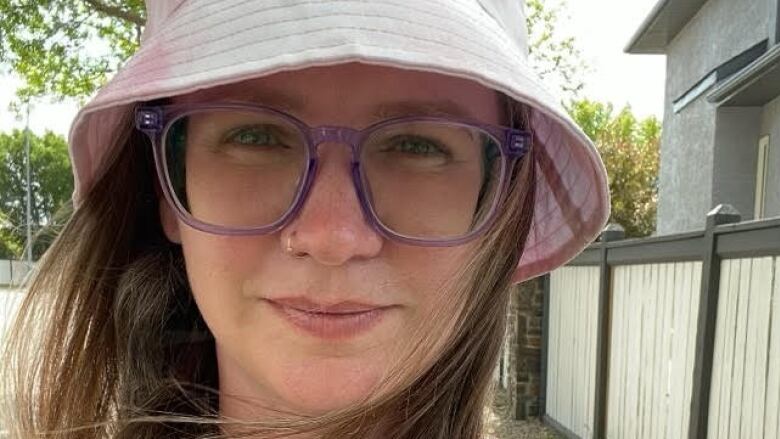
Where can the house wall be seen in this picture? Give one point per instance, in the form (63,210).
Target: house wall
(719,31)
(685,184)
(736,154)
(770,124)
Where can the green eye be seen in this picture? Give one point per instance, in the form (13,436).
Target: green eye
(418,146)
(253,136)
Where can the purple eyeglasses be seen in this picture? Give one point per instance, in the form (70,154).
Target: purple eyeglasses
(245,169)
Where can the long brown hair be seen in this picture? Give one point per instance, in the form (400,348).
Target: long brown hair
(108,341)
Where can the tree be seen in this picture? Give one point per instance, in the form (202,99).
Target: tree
(630,150)
(51,184)
(553,56)
(10,247)
(43,42)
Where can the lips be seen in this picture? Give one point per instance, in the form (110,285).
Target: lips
(340,307)
(333,321)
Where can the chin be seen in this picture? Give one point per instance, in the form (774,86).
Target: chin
(327,384)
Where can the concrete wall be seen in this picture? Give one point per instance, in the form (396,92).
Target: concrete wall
(770,124)
(718,32)
(736,154)
(685,182)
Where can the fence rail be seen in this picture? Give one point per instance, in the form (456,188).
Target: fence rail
(12,272)
(688,335)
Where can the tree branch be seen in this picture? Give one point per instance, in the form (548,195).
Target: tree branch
(116,12)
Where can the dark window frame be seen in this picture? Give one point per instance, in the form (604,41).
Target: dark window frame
(777,23)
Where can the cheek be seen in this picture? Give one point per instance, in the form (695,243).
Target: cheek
(435,274)
(217,270)
(213,259)
(426,270)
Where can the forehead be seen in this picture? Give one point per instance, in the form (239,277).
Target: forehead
(361,91)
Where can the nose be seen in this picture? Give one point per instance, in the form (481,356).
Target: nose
(331,227)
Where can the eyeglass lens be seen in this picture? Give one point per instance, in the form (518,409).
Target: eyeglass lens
(244,169)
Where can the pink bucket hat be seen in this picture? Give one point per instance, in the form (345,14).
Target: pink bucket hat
(194,44)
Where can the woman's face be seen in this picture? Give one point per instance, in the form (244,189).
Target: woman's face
(264,356)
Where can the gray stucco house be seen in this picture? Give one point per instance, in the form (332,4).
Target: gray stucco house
(721,137)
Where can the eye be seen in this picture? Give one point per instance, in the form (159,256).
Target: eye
(417,145)
(253,136)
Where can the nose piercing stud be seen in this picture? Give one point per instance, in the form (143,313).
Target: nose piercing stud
(289,248)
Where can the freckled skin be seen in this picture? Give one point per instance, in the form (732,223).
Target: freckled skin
(259,355)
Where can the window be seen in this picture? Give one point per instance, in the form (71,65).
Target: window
(761,171)
(695,92)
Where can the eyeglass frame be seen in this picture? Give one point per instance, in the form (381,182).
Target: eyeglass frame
(156,120)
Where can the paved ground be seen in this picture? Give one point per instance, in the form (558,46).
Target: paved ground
(499,426)
(530,429)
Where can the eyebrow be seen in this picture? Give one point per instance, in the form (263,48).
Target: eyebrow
(445,108)
(386,110)
(271,98)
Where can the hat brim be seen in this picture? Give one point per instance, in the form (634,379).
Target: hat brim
(207,43)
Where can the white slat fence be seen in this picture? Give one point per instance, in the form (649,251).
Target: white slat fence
(653,329)
(673,361)
(745,392)
(572,348)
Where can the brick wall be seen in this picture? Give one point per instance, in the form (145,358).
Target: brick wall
(520,366)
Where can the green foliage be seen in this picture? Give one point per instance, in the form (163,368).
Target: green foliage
(51,183)
(630,150)
(69,48)
(44,42)
(553,56)
(10,247)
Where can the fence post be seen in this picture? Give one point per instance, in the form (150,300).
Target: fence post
(613,232)
(707,320)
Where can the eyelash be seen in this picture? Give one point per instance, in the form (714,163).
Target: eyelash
(251,130)
(428,142)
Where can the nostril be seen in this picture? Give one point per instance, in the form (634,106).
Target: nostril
(332,246)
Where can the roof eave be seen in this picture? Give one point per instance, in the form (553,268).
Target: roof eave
(665,21)
(638,44)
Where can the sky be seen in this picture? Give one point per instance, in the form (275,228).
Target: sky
(601,29)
